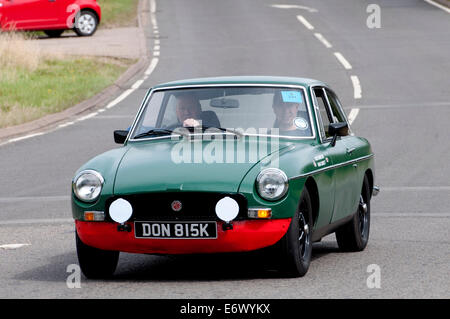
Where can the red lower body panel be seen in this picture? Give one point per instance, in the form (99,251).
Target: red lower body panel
(245,236)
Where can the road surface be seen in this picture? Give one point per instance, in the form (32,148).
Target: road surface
(394,82)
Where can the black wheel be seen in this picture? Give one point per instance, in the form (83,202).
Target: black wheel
(354,235)
(296,245)
(96,263)
(86,23)
(53,33)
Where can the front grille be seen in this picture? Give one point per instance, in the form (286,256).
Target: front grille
(195,205)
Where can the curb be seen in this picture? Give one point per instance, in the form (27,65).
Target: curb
(51,120)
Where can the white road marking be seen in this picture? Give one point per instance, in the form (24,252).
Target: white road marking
(21,138)
(152,66)
(305,22)
(86,116)
(440,6)
(343,61)
(136,85)
(357,91)
(119,99)
(65,124)
(322,39)
(152,6)
(293,6)
(352,116)
(13,246)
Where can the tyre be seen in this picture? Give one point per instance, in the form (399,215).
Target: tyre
(53,33)
(296,245)
(96,263)
(86,23)
(354,235)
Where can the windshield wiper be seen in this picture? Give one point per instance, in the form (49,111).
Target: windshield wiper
(157,131)
(225,130)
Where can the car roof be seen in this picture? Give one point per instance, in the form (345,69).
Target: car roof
(271,80)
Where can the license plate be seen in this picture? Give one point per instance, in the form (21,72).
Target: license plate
(176,230)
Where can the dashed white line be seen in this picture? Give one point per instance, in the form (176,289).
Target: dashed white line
(136,85)
(322,39)
(24,137)
(357,91)
(13,246)
(305,22)
(152,66)
(440,6)
(352,116)
(152,6)
(343,61)
(293,6)
(119,99)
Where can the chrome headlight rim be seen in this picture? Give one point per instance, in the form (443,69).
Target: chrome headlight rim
(278,172)
(86,172)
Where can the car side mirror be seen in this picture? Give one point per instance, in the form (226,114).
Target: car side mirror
(120,136)
(337,129)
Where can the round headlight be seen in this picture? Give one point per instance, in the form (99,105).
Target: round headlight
(272,184)
(87,185)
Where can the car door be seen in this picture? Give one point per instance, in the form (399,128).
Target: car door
(353,150)
(341,170)
(322,160)
(346,194)
(29,14)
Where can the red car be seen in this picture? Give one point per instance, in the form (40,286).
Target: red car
(50,16)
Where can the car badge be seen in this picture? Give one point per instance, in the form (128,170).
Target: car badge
(176,205)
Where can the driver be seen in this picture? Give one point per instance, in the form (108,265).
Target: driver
(285,113)
(189,110)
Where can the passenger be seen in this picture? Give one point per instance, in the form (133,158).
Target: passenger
(286,113)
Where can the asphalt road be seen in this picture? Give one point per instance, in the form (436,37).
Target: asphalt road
(404,110)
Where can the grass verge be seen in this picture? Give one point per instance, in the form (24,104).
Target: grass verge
(118,13)
(33,85)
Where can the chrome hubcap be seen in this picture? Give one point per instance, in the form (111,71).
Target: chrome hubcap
(86,23)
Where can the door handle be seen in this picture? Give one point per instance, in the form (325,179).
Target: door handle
(350,150)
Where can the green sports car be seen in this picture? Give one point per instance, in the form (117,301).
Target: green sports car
(227,164)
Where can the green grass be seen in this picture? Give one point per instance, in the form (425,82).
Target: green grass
(118,13)
(54,86)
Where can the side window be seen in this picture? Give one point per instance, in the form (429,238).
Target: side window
(324,116)
(336,109)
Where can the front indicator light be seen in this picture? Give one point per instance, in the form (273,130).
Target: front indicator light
(93,216)
(260,213)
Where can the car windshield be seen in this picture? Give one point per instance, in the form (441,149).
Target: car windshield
(248,110)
